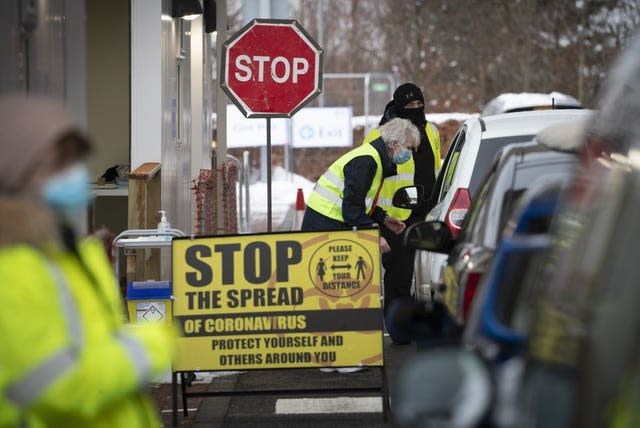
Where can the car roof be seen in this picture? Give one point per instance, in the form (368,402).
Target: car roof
(527,122)
(510,102)
(525,150)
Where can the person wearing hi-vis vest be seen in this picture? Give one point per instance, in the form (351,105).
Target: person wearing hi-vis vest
(346,195)
(421,169)
(67,358)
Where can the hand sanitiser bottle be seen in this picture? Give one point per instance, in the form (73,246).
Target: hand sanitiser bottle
(164,225)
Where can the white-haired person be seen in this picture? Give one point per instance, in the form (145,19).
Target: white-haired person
(345,196)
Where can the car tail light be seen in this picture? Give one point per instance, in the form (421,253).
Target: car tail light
(473,280)
(457,211)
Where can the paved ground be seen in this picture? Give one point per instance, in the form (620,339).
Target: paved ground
(331,408)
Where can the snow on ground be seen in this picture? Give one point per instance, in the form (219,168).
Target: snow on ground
(284,188)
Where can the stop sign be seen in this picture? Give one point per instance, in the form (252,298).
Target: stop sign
(271,68)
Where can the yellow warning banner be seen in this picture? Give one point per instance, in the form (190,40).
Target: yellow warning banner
(299,299)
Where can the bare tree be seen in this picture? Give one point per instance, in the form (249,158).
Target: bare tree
(462,53)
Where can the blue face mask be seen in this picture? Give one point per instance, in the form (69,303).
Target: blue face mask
(402,157)
(68,192)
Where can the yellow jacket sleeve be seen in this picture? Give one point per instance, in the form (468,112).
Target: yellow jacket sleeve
(96,365)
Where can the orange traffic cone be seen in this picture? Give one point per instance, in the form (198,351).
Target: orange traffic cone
(299,213)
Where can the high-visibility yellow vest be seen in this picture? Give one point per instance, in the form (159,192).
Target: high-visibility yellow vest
(326,197)
(67,357)
(405,173)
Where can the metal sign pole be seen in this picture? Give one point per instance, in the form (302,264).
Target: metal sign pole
(269,174)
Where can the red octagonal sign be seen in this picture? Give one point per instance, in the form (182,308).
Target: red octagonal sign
(271,68)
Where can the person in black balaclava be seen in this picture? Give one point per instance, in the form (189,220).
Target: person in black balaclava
(407,103)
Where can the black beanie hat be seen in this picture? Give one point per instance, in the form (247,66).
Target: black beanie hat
(406,93)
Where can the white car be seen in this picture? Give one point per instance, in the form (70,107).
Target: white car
(467,162)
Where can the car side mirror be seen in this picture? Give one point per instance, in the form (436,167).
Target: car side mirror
(408,197)
(444,387)
(431,236)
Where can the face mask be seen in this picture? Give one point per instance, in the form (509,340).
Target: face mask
(402,157)
(415,115)
(68,192)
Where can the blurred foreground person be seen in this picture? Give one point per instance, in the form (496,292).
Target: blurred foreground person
(67,357)
(346,194)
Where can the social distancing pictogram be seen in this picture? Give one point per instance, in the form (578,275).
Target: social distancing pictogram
(341,268)
(301,299)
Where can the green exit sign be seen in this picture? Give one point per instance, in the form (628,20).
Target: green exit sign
(380,87)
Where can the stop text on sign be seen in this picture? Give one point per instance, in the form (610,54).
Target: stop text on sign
(280,68)
(271,68)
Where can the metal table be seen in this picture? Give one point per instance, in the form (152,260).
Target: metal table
(134,239)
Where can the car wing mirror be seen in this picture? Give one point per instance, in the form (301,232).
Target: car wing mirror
(408,197)
(430,235)
(446,387)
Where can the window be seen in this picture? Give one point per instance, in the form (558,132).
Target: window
(451,162)
(486,153)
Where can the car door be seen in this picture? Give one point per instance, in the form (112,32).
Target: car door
(428,264)
(456,272)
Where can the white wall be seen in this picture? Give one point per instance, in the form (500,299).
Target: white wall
(75,53)
(146,81)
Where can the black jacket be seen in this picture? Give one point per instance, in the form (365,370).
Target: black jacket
(358,178)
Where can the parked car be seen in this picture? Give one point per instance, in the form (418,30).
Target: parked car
(581,367)
(467,162)
(489,332)
(492,327)
(515,169)
(583,357)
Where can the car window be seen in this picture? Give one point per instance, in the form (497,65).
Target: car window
(525,175)
(451,163)
(509,188)
(486,153)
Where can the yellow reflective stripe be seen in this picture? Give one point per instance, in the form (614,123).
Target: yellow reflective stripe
(334,179)
(69,309)
(137,355)
(328,194)
(28,389)
(407,176)
(433,135)
(384,202)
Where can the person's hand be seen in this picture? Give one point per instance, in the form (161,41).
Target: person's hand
(394,225)
(384,246)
